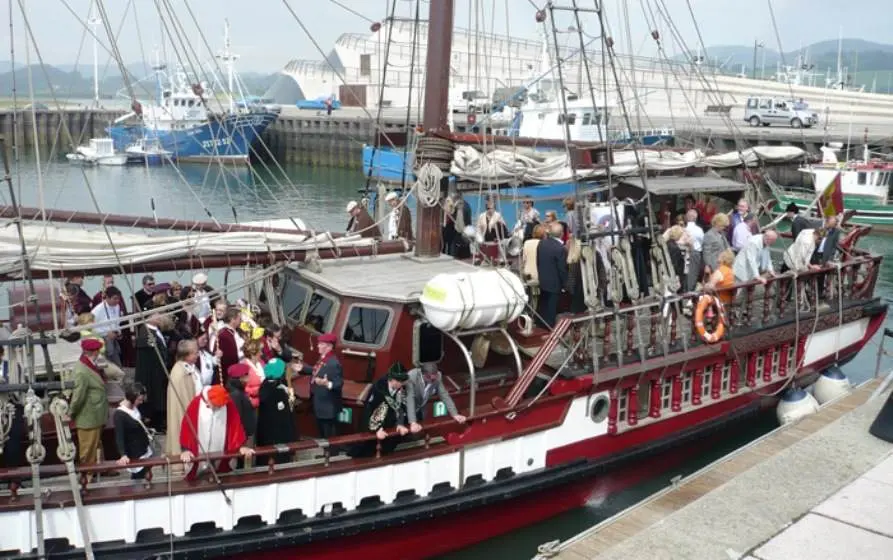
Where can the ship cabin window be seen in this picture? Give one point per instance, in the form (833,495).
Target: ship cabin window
(294,300)
(587,118)
(367,325)
(192,102)
(569,119)
(320,312)
(878,179)
(861,177)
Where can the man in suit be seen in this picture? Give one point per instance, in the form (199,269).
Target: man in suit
(827,250)
(798,222)
(551,263)
(385,409)
(325,386)
(420,386)
(89,406)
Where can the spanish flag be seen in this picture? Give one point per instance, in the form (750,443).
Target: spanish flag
(831,200)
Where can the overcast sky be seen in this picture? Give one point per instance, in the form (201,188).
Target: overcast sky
(266,35)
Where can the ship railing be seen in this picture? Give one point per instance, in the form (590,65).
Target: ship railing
(664,327)
(434,432)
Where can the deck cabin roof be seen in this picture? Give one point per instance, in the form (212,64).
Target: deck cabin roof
(673,185)
(397,278)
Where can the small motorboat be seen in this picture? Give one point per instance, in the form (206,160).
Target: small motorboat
(147,151)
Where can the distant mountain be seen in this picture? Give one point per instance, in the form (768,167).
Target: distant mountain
(856,55)
(66,83)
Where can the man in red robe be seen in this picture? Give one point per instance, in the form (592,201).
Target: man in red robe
(211,425)
(229,341)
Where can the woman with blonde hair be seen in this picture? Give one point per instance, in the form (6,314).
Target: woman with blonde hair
(723,278)
(252,357)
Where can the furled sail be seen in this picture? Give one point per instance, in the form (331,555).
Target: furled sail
(502,166)
(60,248)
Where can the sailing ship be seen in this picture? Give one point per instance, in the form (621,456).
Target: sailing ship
(866,184)
(182,122)
(554,414)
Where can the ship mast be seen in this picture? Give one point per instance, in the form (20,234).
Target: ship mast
(436,146)
(228,58)
(94,23)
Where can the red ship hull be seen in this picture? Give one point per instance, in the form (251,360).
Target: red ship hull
(434,537)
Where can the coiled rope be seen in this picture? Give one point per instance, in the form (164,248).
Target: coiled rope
(428,181)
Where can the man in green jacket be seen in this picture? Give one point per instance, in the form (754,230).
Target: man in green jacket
(89,403)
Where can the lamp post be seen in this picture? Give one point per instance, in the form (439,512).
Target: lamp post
(753,69)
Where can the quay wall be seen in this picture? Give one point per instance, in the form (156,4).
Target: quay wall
(51,128)
(313,138)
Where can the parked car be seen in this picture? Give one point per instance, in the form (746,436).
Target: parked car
(776,110)
(476,101)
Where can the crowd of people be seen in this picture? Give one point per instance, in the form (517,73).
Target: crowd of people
(212,379)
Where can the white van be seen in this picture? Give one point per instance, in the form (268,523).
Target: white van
(776,110)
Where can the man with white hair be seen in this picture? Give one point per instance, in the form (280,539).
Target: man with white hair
(754,261)
(360,221)
(399,218)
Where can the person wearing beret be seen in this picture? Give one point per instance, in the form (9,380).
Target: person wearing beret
(275,424)
(325,386)
(385,409)
(236,379)
(89,407)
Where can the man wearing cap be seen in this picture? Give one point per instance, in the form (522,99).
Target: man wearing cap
(201,291)
(89,407)
(399,219)
(211,425)
(385,408)
(275,423)
(360,221)
(325,386)
(421,385)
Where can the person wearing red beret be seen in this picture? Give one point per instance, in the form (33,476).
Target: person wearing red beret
(237,380)
(89,407)
(211,425)
(325,386)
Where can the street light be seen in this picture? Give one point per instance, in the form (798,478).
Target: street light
(753,70)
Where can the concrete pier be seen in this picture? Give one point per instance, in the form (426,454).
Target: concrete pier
(313,138)
(818,489)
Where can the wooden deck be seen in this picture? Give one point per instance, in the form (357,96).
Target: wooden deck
(596,541)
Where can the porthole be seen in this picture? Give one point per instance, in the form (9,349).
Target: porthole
(598,410)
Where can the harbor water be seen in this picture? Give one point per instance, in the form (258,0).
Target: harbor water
(318,196)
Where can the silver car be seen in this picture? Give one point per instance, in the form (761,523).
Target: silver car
(775,110)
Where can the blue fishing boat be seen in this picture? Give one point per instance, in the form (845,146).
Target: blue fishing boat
(182,123)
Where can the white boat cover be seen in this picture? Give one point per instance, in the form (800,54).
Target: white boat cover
(510,166)
(69,247)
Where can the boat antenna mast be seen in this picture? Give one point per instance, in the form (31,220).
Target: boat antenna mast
(435,147)
(94,22)
(228,58)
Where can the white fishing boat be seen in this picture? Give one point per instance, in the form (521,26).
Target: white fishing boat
(99,151)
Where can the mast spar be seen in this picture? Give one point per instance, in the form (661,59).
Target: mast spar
(436,145)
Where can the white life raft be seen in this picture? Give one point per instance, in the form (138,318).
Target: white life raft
(470,300)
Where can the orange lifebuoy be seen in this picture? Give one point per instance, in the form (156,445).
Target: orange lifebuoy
(705,303)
